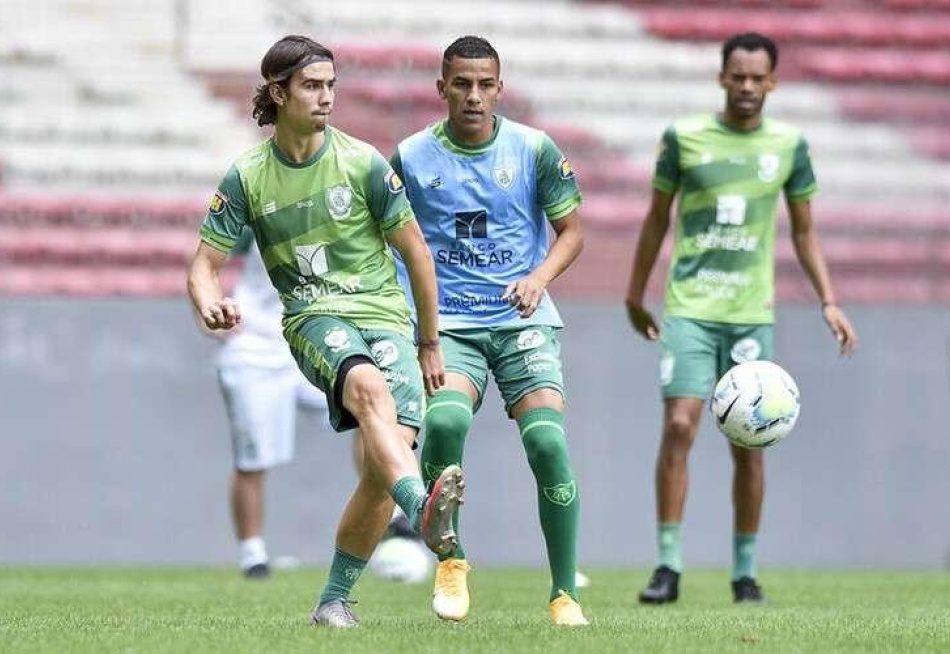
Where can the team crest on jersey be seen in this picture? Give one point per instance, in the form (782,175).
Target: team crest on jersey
(393,182)
(530,339)
(218,203)
(565,169)
(504,176)
(339,200)
(768,167)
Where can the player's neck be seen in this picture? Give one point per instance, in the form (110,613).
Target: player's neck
(739,123)
(296,147)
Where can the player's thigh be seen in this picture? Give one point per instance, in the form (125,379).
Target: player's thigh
(325,347)
(741,343)
(526,359)
(688,358)
(261,406)
(464,351)
(396,357)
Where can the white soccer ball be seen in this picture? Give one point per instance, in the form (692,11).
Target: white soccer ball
(755,404)
(402,559)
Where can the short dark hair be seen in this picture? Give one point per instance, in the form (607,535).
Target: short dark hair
(469,47)
(282,60)
(750,41)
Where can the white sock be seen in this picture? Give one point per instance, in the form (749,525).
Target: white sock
(253,552)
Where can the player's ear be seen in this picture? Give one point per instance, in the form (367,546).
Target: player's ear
(440,87)
(277,94)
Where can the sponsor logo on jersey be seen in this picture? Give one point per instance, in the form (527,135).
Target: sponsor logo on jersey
(768,167)
(339,199)
(504,176)
(530,339)
(218,202)
(269,207)
(435,182)
(565,169)
(471,224)
(393,183)
(311,259)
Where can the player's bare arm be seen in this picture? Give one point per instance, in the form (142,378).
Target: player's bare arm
(409,242)
(812,260)
(204,287)
(526,293)
(651,237)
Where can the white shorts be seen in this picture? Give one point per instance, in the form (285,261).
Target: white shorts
(262,412)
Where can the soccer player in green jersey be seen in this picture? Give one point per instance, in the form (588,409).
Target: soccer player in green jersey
(728,169)
(325,209)
(487,190)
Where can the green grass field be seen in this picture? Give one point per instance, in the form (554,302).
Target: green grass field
(214,610)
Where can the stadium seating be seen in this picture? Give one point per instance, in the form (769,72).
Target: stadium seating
(102,191)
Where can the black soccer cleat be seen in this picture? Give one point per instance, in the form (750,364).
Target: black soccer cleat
(745,589)
(664,587)
(257,571)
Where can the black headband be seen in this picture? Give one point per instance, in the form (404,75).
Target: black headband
(303,63)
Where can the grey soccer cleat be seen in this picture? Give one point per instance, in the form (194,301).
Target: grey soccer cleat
(436,524)
(335,613)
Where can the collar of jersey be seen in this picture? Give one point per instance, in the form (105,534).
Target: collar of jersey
(327,135)
(443,131)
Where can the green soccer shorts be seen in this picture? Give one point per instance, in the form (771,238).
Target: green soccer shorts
(695,353)
(321,344)
(522,359)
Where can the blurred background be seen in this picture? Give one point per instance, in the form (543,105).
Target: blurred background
(119,117)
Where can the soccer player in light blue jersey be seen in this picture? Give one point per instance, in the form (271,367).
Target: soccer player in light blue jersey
(728,169)
(325,208)
(486,190)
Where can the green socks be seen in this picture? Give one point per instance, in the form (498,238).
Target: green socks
(743,556)
(668,542)
(448,417)
(410,494)
(344,571)
(542,434)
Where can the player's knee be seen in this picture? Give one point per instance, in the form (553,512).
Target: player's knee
(545,448)
(367,395)
(447,422)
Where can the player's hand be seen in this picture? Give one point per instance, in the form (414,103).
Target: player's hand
(841,328)
(433,367)
(525,295)
(642,320)
(221,314)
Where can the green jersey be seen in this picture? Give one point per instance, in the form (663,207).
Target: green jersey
(723,265)
(320,227)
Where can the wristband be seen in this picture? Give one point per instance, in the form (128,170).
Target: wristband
(428,343)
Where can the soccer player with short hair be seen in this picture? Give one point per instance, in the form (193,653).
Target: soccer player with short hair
(729,169)
(324,208)
(485,190)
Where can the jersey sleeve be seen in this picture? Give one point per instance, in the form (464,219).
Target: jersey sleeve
(558,193)
(801,184)
(386,195)
(227,213)
(666,175)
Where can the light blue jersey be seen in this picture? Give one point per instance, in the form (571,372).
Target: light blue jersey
(484,212)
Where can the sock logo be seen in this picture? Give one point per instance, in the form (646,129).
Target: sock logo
(563,494)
